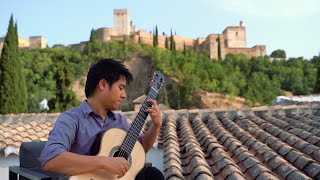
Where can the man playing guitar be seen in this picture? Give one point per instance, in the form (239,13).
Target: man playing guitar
(69,146)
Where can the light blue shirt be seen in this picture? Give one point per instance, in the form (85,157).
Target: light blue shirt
(76,130)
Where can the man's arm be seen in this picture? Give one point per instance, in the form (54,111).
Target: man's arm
(73,164)
(151,135)
(57,158)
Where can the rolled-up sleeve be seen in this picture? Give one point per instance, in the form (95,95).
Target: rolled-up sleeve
(61,137)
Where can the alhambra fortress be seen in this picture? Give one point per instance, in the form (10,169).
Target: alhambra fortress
(232,40)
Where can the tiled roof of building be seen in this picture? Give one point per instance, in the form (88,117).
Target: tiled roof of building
(278,142)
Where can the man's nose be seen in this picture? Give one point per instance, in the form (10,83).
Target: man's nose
(123,95)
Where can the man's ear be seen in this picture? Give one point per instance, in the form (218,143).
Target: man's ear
(103,84)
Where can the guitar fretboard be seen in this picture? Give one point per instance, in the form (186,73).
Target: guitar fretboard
(138,123)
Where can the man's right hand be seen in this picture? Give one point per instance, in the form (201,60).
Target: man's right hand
(117,165)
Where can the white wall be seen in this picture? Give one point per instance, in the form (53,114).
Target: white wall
(11,160)
(155,156)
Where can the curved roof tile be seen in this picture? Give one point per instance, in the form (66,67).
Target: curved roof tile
(280,142)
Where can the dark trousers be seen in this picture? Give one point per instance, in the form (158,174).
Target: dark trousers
(150,173)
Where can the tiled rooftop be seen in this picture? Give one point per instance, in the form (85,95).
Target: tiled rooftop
(278,142)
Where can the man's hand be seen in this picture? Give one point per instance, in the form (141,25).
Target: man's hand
(117,165)
(155,113)
(151,135)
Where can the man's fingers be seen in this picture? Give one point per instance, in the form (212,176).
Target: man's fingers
(153,102)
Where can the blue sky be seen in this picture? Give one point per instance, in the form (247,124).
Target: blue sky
(292,25)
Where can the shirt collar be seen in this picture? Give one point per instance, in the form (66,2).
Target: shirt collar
(87,110)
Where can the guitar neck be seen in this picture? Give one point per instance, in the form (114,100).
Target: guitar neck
(138,123)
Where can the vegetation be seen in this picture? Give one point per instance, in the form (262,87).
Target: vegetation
(279,53)
(51,71)
(13,92)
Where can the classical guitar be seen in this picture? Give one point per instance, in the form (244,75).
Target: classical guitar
(118,143)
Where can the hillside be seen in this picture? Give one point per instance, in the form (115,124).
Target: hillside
(141,68)
(216,100)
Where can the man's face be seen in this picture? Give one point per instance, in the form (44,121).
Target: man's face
(115,95)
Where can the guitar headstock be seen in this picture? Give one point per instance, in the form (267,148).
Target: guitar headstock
(156,80)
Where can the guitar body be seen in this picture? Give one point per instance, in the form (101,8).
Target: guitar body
(111,141)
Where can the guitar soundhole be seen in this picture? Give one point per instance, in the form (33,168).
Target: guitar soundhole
(120,153)
(117,152)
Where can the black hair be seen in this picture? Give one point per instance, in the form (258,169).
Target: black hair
(108,69)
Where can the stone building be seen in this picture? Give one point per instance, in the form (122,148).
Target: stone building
(32,42)
(232,40)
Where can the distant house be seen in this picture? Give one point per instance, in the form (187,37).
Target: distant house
(43,105)
(137,103)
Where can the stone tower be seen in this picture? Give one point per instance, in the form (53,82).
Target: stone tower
(235,36)
(121,22)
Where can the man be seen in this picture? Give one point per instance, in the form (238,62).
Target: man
(71,140)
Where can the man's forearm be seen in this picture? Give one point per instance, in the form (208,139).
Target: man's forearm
(149,137)
(72,164)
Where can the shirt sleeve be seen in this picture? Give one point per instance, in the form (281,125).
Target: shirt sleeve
(61,137)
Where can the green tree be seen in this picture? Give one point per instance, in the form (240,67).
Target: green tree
(92,36)
(13,93)
(166,44)
(64,97)
(219,48)
(279,53)
(156,37)
(172,43)
(317,86)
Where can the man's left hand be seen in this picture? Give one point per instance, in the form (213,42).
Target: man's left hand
(155,113)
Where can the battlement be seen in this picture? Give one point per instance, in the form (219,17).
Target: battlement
(120,11)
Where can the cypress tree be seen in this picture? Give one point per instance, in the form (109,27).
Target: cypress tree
(153,39)
(172,43)
(13,93)
(93,35)
(64,96)
(219,48)
(166,44)
(317,86)
(156,38)
(139,40)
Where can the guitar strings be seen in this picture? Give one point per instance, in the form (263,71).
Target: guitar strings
(128,145)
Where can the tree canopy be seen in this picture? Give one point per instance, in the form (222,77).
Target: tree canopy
(13,91)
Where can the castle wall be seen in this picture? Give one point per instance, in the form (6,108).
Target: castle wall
(37,42)
(121,21)
(255,51)
(104,34)
(235,37)
(79,47)
(23,43)
(232,40)
(211,43)
(198,42)
(34,42)
(181,41)
(145,37)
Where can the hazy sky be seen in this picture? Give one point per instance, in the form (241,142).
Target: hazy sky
(292,25)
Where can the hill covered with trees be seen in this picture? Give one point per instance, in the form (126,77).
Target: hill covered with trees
(50,72)
(258,80)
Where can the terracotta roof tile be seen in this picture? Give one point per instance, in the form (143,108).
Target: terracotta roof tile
(297,175)
(313,169)
(258,143)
